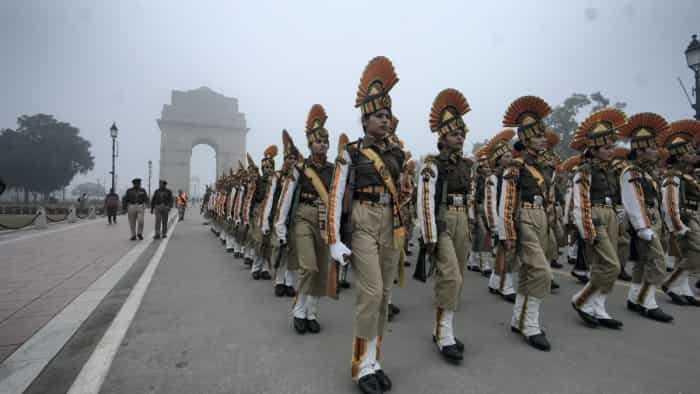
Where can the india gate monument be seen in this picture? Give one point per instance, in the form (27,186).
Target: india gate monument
(194,117)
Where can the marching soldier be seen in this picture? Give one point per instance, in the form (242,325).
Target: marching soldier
(367,173)
(442,213)
(247,219)
(482,247)
(523,222)
(640,197)
(618,163)
(595,190)
(231,187)
(306,197)
(501,156)
(681,202)
(285,256)
(259,241)
(239,250)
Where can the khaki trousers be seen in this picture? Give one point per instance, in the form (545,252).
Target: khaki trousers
(135,215)
(453,246)
(602,256)
(623,242)
(690,243)
(375,261)
(650,267)
(535,276)
(312,252)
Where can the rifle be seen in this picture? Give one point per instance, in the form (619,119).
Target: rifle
(420,273)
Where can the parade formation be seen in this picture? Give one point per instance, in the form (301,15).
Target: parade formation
(631,193)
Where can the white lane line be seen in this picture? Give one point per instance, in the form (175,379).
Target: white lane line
(19,370)
(40,233)
(94,371)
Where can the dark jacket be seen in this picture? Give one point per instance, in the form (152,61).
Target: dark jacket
(162,197)
(135,196)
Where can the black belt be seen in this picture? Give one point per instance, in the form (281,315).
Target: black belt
(310,201)
(381,198)
(457,201)
(535,200)
(603,201)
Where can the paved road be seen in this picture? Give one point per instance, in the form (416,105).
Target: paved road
(205,327)
(42,271)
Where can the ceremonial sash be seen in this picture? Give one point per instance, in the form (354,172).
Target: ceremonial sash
(383,172)
(538,177)
(323,195)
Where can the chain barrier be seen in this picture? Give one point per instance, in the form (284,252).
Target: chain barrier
(6,227)
(56,220)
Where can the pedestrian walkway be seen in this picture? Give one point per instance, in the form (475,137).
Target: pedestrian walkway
(42,271)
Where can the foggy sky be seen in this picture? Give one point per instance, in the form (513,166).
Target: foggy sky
(92,64)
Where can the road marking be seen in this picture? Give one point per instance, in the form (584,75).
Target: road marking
(19,370)
(40,233)
(95,370)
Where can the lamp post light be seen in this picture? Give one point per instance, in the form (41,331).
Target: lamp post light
(113,133)
(692,56)
(150,165)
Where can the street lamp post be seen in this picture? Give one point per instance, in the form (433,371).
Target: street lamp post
(150,165)
(692,56)
(113,132)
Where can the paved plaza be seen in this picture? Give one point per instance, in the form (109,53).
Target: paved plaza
(203,325)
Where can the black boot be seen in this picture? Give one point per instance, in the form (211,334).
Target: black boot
(656,314)
(300,325)
(510,298)
(265,275)
(248,261)
(313,326)
(610,323)
(290,292)
(554,286)
(256,275)
(368,384)
(555,264)
(383,380)
(280,290)
(460,344)
(677,298)
(539,342)
(344,284)
(692,301)
(588,319)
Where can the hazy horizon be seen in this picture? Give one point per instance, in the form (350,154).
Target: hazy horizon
(91,64)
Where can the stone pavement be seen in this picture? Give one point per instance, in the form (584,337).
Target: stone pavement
(205,327)
(42,271)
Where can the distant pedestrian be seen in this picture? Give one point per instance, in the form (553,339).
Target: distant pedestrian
(82,202)
(111,206)
(134,202)
(161,203)
(181,203)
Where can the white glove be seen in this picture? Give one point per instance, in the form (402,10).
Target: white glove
(646,234)
(620,216)
(265,229)
(339,251)
(282,240)
(683,232)
(229,218)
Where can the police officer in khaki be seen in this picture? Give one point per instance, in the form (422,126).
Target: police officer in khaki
(365,195)
(523,222)
(640,197)
(681,207)
(442,213)
(306,196)
(595,190)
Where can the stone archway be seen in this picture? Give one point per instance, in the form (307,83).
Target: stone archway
(196,117)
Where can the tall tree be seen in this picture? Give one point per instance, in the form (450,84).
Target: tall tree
(563,119)
(43,154)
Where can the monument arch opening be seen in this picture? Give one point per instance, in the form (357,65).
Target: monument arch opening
(199,117)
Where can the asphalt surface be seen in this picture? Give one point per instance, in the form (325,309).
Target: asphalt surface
(205,326)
